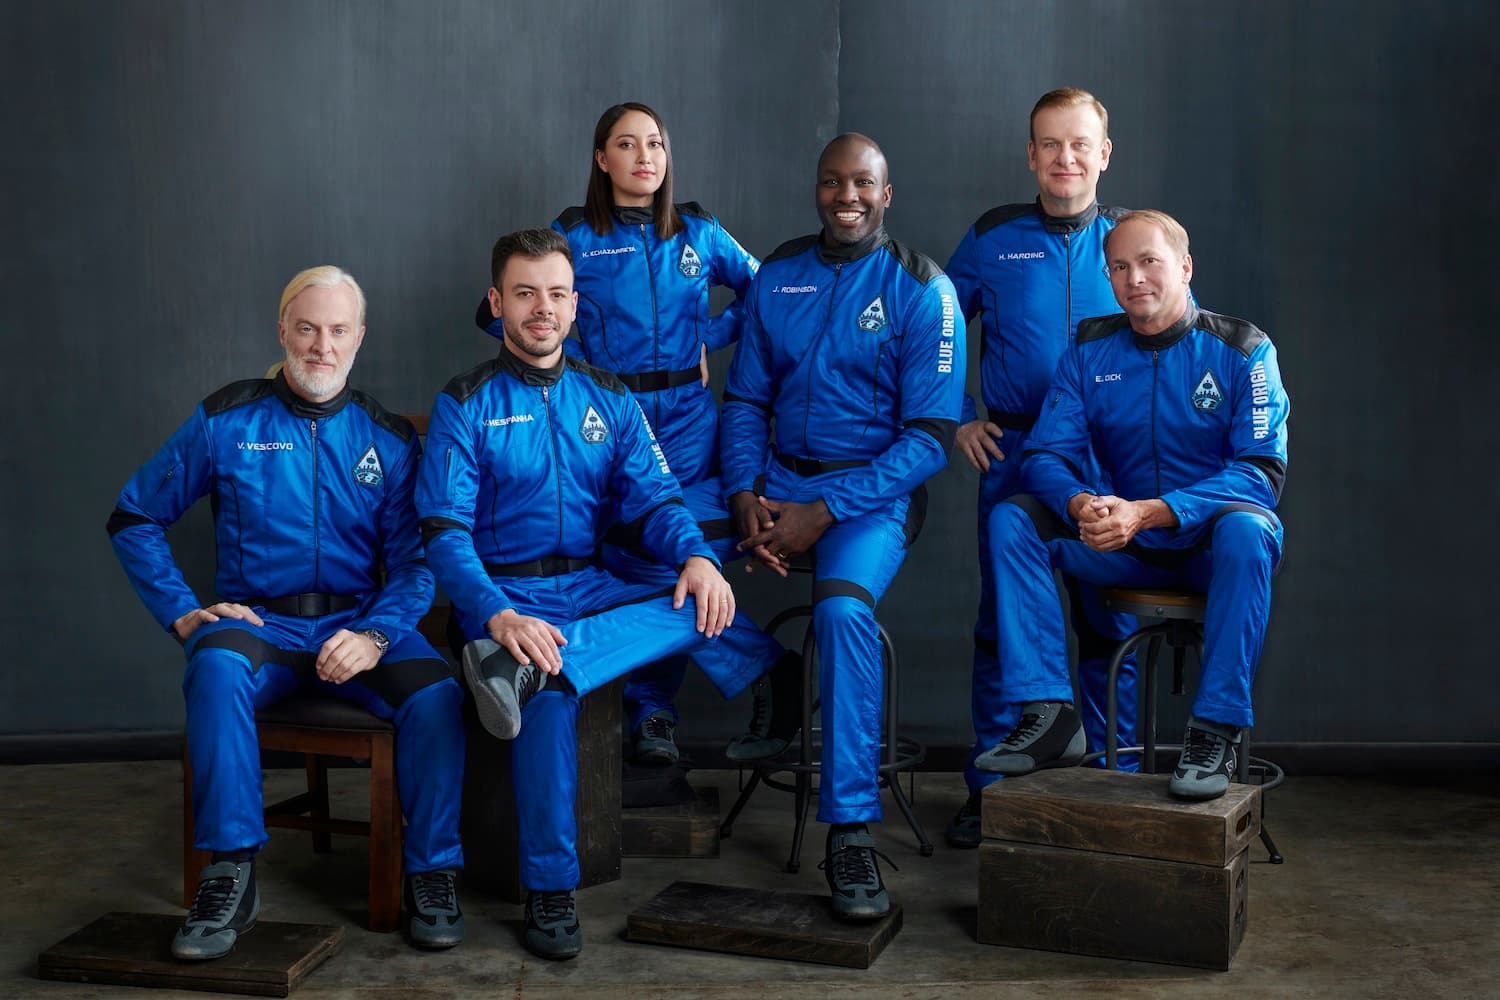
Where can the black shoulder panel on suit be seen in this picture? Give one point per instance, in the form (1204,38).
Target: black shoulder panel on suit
(461,387)
(570,217)
(792,248)
(1097,327)
(237,394)
(1238,334)
(393,422)
(916,263)
(694,209)
(603,379)
(1001,214)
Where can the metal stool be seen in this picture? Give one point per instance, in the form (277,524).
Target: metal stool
(1181,627)
(898,753)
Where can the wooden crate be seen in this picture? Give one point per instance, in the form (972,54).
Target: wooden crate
(682,830)
(488,825)
(1102,863)
(1118,813)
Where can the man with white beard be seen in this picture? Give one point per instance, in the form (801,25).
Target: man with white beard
(321,581)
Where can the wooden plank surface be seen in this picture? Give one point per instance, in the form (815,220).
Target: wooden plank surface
(134,949)
(793,926)
(1096,810)
(1091,903)
(682,830)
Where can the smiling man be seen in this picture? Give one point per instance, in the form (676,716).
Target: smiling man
(841,402)
(532,456)
(320,585)
(1031,271)
(1186,413)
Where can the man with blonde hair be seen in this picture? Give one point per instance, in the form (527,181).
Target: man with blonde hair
(320,584)
(1186,413)
(1032,270)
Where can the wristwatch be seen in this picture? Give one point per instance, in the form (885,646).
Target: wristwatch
(378,638)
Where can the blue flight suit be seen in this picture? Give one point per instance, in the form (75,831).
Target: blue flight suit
(850,366)
(1195,416)
(1033,277)
(525,469)
(311,502)
(643,314)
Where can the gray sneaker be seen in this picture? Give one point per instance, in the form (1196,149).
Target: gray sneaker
(853,874)
(655,739)
(500,685)
(433,919)
(966,829)
(552,928)
(1050,734)
(1210,755)
(225,907)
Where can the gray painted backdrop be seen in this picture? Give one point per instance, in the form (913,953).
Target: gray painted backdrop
(167,165)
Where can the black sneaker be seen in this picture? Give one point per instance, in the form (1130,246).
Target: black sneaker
(552,929)
(853,874)
(656,739)
(433,919)
(1210,752)
(1050,734)
(500,685)
(775,712)
(965,830)
(226,907)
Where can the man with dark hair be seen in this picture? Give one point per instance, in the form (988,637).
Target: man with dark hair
(321,583)
(532,455)
(1032,270)
(1187,416)
(841,402)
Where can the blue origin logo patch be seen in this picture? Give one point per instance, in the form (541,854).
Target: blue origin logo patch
(593,428)
(1207,396)
(872,320)
(368,471)
(690,264)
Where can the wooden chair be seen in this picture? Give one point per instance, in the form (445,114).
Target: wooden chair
(320,727)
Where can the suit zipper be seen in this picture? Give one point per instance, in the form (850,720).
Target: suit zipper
(556,462)
(313,426)
(812,349)
(1068,289)
(1155,458)
(655,319)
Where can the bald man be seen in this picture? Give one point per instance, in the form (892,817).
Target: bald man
(842,400)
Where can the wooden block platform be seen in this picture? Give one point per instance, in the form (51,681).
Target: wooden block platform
(134,949)
(794,926)
(1118,813)
(1092,903)
(685,830)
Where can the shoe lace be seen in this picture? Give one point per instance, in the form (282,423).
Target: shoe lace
(970,808)
(211,904)
(529,681)
(855,865)
(433,890)
(1029,725)
(1200,749)
(657,727)
(554,907)
(760,709)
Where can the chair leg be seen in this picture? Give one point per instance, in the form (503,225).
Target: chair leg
(317,793)
(924,846)
(726,828)
(193,860)
(804,798)
(385,837)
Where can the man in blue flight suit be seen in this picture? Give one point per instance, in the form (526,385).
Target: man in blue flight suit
(531,456)
(1185,412)
(321,582)
(842,400)
(1032,271)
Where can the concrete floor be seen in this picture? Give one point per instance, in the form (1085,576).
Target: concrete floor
(1391,889)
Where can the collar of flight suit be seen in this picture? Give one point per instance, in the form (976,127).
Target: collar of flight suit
(306,409)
